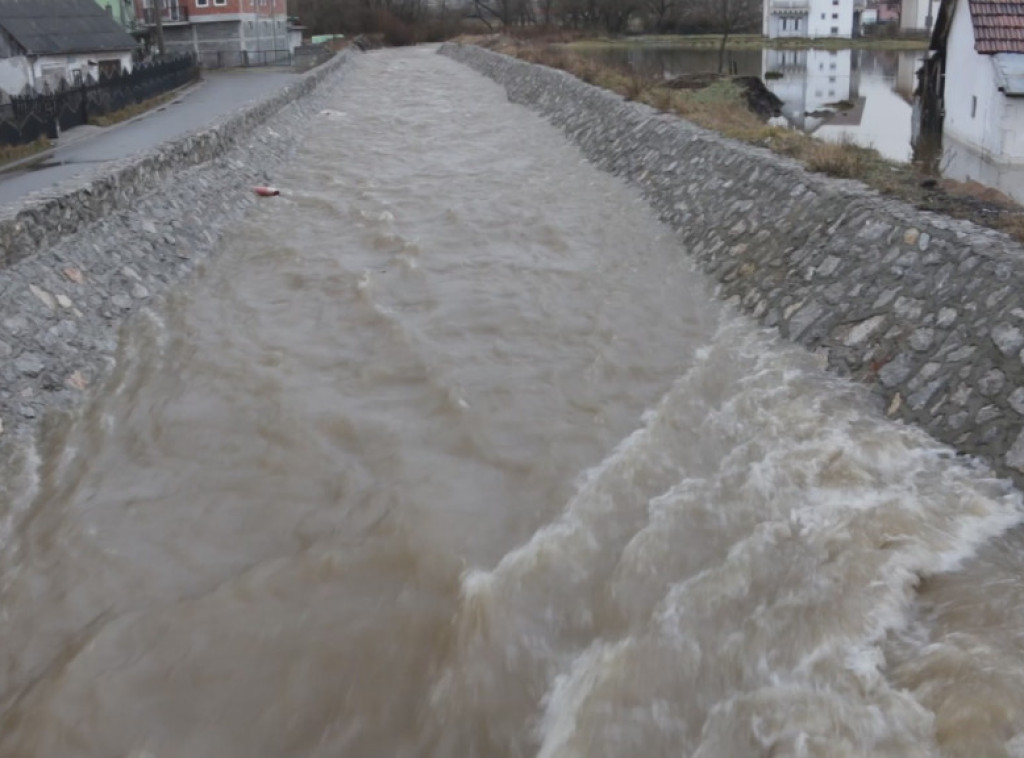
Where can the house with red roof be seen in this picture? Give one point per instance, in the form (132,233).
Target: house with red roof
(977,71)
(221,32)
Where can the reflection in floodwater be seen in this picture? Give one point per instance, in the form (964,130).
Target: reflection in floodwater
(861,96)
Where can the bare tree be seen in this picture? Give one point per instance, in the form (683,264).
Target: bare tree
(724,17)
(659,11)
(614,14)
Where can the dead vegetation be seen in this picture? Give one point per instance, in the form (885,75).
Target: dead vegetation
(109,119)
(11,153)
(721,105)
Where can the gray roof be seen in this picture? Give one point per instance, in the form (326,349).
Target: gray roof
(57,27)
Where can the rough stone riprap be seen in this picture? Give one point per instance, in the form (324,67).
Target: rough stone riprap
(47,216)
(925,309)
(78,263)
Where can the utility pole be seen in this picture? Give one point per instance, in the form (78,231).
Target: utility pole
(159,11)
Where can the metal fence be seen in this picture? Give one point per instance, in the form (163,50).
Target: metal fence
(244,58)
(27,118)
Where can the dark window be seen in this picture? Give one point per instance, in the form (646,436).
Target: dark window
(974,106)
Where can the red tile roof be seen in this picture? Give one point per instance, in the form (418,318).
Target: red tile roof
(998,26)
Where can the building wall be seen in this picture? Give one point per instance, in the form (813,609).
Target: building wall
(15,74)
(201,11)
(918,14)
(785,26)
(974,107)
(261,33)
(965,164)
(214,7)
(230,32)
(19,72)
(831,18)
(1012,128)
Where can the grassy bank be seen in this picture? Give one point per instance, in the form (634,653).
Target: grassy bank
(12,153)
(745,42)
(721,106)
(132,111)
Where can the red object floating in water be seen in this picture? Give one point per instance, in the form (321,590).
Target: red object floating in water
(267,191)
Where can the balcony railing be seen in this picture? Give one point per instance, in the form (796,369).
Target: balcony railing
(789,5)
(169,14)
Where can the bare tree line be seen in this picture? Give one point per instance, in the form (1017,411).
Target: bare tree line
(434,19)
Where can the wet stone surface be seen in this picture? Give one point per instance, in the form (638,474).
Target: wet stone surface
(81,258)
(883,289)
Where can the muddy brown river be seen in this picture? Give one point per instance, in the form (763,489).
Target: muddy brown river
(451,453)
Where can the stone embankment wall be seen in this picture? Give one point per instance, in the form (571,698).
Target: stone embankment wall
(45,217)
(927,310)
(77,260)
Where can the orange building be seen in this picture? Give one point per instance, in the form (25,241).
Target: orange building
(222,32)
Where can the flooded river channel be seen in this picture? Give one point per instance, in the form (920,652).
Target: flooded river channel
(450,452)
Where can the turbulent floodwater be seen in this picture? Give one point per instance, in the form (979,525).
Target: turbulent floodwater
(450,453)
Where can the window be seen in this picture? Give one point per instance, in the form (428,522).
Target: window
(220,2)
(835,30)
(835,16)
(831,93)
(783,24)
(202,3)
(821,67)
(831,80)
(822,16)
(832,66)
(974,106)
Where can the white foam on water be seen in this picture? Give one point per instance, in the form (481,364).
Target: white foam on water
(755,552)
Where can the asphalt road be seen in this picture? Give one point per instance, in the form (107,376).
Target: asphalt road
(219,93)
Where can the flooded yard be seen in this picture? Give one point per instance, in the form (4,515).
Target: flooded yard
(863,96)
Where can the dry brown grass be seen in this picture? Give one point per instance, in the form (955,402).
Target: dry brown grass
(842,159)
(721,107)
(109,119)
(11,153)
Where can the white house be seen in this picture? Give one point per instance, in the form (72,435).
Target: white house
(45,41)
(982,48)
(811,18)
(918,15)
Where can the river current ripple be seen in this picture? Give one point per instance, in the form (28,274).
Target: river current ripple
(451,452)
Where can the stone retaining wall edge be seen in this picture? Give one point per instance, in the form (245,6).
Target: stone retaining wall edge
(923,308)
